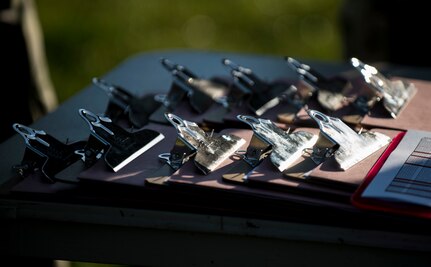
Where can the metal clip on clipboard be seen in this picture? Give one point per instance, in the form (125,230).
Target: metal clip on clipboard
(338,139)
(329,91)
(48,154)
(121,102)
(395,94)
(121,146)
(260,95)
(282,147)
(208,151)
(201,93)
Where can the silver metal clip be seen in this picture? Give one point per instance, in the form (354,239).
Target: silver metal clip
(122,146)
(261,96)
(94,121)
(210,150)
(200,92)
(395,94)
(305,72)
(329,91)
(30,134)
(46,153)
(117,95)
(124,105)
(286,147)
(346,145)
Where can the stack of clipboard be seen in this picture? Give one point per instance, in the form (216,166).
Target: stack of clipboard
(306,144)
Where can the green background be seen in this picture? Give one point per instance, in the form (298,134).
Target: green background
(84,39)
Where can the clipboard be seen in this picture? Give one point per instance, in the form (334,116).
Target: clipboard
(372,204)
(413,115)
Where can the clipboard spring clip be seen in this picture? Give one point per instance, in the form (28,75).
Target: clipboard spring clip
(395,94)
(208,150)
(259,95)
(30,134)
(191,132)
(95,123)
(117,94)
(46,153)
(284,147)
(124,104)
(339,140)
(201,93)
(329,91)
(183,150)
(118,145)
(97,145)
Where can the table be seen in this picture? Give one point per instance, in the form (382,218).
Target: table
(89,226)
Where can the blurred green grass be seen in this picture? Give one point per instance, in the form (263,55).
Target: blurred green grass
(88,38)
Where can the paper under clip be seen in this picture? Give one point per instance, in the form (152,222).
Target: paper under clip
(329,91)
(395,94)
(122,102)
(46,153)
(202,93)
(122,146)
(338,139)
(210,150)
(261,95)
